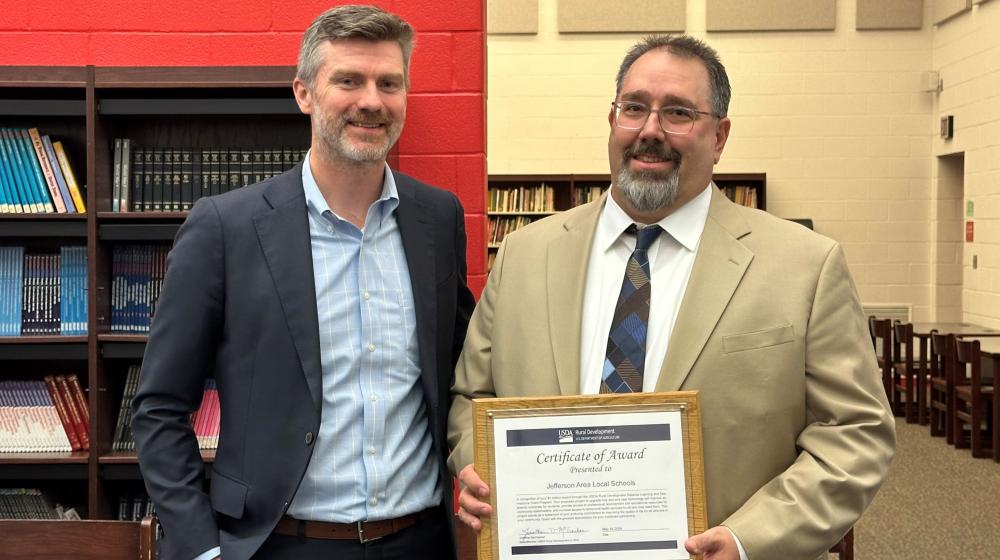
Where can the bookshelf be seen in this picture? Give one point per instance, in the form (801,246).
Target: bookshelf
(514,201)
(87,108)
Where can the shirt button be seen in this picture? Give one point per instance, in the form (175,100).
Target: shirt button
(374,398)
(366,295)
(371,450)
(309,438)
(373,501)
(329,229)
(371,347)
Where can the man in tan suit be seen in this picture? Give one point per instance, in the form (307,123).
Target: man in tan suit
(757,313)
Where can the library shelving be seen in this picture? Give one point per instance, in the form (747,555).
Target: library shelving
(240,111)
(514,201)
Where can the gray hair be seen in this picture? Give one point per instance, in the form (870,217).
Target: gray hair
(685,46)
(352,22)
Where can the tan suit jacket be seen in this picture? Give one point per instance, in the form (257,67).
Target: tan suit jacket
(797,431)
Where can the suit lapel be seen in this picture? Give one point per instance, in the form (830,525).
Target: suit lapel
(566,275)
(283,232)
(718,269)
(415,228)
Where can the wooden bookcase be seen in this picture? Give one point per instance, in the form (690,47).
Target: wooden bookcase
(514,200)
(87,108)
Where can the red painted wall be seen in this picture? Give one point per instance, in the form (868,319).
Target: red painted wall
(443,143)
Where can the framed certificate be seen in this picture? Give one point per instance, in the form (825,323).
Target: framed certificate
(586,477)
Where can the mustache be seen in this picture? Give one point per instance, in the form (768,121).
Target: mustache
(652,148)
(367,117)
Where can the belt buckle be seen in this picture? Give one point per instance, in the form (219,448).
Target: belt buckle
(361,534)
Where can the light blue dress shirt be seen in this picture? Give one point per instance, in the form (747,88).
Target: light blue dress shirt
(373,457)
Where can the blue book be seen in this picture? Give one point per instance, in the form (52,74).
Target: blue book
(13,170)
(6,201)
(16,284)
(34,169)
(28,190)
(57,172)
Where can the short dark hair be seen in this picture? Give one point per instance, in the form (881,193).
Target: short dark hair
(685,46)
(352,22)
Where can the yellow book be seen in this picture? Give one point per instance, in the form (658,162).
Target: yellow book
(74,189)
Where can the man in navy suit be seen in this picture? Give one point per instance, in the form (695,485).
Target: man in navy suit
(330,305)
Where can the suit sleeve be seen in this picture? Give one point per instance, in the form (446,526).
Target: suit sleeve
(847,444)
(474,374)
(465,301)
(179,356)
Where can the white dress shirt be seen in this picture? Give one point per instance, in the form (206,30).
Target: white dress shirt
(671,259)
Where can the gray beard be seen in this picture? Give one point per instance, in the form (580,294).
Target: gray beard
(648,191)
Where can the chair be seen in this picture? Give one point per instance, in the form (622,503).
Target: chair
(881,333)
(844,549)
(939,401)
(973,400)
(80,540)
(906,377)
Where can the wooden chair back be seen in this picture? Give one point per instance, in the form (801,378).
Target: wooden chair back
(906,384)
(940,399)
(80,540)
(973,406)
(881,330)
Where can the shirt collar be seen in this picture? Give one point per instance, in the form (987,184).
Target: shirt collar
(684,224)
(387,201)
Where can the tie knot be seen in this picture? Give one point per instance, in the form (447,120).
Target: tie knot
(645,235)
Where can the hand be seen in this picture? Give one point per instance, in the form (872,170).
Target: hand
(471,509)
(716,543)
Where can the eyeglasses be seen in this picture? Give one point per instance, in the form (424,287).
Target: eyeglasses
(673,119)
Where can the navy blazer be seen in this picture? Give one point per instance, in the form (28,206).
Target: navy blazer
(239,303)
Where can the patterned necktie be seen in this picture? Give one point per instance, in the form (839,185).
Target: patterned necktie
(626,355)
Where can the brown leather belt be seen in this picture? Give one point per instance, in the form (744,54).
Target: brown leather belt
(363,531)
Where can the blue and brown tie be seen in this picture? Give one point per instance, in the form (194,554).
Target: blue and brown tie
(625,359)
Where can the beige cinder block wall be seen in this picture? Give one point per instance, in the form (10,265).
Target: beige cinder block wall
(967,55)
(836,119)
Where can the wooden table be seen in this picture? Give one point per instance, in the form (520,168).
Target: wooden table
(989,347)
(922,331)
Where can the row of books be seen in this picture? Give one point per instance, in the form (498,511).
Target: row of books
(35,175)
(31,503)
(137,273)
(205,420)
(43,293)
(134,507)
(540,198)
(500,226)
(147,179)
(49,415)
(747,196)
(583,195)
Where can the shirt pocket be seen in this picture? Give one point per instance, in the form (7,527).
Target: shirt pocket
(758,339)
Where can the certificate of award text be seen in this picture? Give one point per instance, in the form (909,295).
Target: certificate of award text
(592,477)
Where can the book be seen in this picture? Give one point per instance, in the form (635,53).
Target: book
(126,175)
(46,168)
(116,183)
(71,184)
(58,174)
(64,415)
(33,169)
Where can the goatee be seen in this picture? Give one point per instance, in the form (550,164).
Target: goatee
(649,190)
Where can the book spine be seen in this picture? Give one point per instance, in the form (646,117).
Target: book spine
(34,170)
(126,175)
(25,189)
(50,153)
(74,411)
(46,167)
(71,184)
(116,170)
(136,202)
(64,417)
